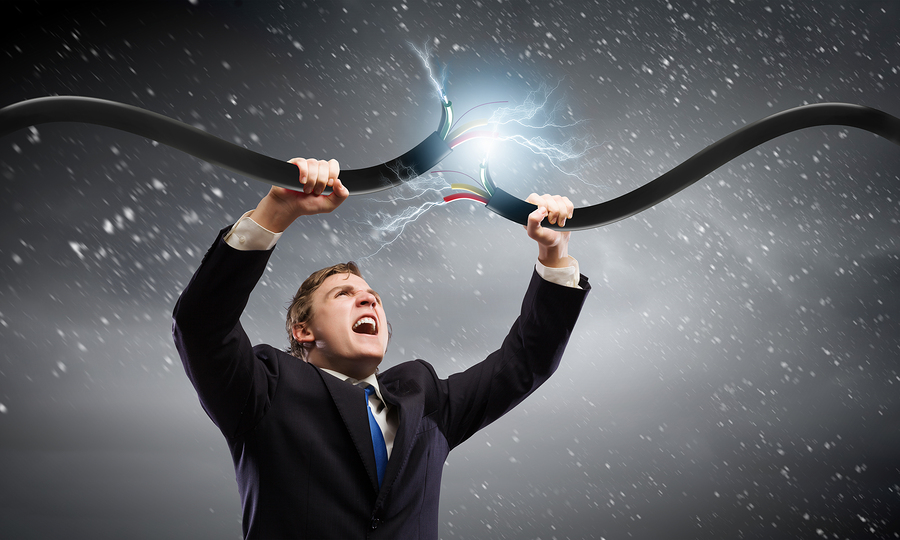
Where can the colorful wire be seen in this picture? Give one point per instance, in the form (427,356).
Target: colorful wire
(469,196)
(468,126)
(477,191)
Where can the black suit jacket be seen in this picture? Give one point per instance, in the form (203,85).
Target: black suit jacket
(299,437)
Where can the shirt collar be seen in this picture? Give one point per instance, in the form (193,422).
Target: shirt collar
(370,380)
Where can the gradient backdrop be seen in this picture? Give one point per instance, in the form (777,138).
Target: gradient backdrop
(734,373)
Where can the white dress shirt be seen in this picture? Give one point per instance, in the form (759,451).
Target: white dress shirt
(380,409)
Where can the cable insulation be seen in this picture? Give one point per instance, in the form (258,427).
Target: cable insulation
(704,162)
(214,150)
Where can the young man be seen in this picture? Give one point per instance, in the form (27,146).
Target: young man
(322,446)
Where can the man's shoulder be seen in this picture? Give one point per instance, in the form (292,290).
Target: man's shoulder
(414,380)
(277,360)
(412,373)
(405,370)
(265,349)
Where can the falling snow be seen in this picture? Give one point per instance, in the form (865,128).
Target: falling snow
(733,374)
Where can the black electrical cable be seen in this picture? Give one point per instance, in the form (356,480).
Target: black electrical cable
(704,162)
(209,148)
(433,149)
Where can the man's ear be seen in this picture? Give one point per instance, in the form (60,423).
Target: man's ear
(303,333)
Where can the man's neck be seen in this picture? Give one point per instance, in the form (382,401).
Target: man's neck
(371,379)
(350,369)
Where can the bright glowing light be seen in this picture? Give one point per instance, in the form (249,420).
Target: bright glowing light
(540,114)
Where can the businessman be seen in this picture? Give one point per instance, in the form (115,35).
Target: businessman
(326,445)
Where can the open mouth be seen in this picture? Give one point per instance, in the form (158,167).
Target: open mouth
(366,325)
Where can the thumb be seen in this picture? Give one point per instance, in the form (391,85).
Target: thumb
(533,227)
(338,195)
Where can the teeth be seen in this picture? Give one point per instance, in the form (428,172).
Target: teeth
(365,320)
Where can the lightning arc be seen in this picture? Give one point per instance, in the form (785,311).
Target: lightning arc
(394,225)
(536,112)
(425,55)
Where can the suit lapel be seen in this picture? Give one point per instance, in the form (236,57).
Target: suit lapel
(407,398)
(350,401)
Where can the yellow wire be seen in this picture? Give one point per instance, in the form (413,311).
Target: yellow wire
(473,189)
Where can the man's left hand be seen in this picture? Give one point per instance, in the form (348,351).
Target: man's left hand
(553,246)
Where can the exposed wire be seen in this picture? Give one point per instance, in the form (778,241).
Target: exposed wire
(469,176)
(448,117)
(468,126)
(476,106)
(476,190)
(469,196)
(486,180)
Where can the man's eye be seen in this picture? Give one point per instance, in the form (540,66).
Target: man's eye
(342,292)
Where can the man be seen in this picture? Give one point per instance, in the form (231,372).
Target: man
(324,447)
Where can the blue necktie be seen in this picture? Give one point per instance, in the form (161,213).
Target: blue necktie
(381,457)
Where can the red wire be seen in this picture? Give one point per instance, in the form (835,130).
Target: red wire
(471,196)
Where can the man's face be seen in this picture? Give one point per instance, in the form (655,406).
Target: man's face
(348,326)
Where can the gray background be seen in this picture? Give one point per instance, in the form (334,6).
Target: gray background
(734,371)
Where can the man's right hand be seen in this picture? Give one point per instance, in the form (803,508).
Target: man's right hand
(280,207)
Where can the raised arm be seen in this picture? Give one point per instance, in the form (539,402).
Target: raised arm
(233,385)
(532,349)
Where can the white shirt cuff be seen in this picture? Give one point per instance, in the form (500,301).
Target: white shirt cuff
(248,235)
(567,277)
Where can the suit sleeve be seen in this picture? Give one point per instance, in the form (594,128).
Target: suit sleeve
(234,386)
(530,353)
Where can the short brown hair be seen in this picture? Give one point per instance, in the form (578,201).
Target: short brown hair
(300,309)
